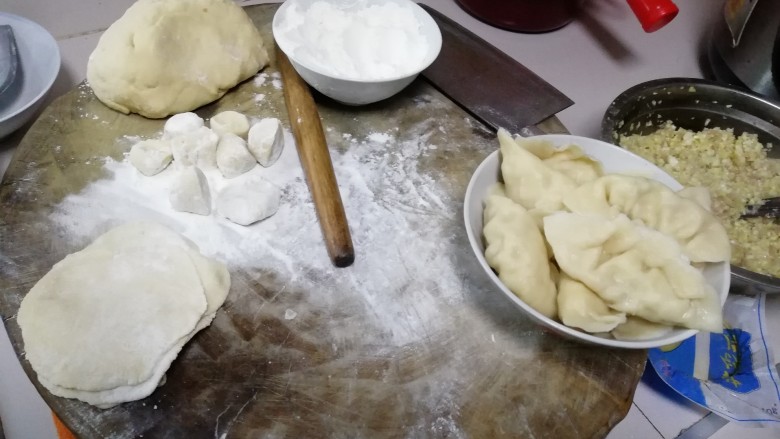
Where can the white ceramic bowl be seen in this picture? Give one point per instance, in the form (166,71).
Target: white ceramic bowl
(613,159)
(39,61)
(353,90)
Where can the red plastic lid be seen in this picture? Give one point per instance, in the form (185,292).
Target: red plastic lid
(653,14)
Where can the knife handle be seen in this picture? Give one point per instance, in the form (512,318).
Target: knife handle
(317,166)
(653,14)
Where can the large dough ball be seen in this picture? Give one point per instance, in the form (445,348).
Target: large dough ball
(164,57)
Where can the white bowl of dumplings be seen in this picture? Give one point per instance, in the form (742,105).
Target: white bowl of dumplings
(596,243)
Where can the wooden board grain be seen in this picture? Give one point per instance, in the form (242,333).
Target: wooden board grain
(410,360)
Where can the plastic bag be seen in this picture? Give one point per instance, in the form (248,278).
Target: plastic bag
(733,373)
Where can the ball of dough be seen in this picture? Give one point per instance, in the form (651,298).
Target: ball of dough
(266,141)
(233,159)
(248,201)
(190,192)
(166,57)
(230,122)
(151,156)
(195,148)
(181,123)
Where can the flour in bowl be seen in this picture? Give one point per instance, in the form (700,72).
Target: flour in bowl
(361,40)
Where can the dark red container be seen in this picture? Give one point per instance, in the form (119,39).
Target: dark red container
(523,15)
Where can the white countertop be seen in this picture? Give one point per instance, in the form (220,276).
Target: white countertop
(591,60)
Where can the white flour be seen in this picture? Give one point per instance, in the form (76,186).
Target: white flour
(260,79)
(380,138)
(355,40)
(396,215)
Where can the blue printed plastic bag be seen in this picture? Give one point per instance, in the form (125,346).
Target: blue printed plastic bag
(732,373)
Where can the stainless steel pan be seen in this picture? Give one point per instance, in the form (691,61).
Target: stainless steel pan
(693,104)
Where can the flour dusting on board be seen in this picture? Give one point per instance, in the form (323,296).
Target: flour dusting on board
(395,215)
(260,79)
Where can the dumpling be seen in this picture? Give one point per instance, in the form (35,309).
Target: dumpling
(634,269)
(700,194)
(698,231)
(529,182)
(497,189)
(536,214)
(570,160)
(637,328)
(581,308)
(516,250)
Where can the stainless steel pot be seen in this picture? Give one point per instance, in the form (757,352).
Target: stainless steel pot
(695,104)
(745,45)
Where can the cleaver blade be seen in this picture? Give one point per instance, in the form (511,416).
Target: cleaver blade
(488,83)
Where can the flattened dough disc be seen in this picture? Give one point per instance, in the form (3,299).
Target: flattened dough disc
(93,323)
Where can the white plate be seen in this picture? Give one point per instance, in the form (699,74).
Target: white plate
(39,64)
(613,160)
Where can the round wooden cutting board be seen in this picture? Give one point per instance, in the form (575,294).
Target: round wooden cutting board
(413,342)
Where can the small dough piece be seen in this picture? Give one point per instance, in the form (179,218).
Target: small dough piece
(266,141)
(150,157)
(233,157)
(181,123)
(579,307)
(195,148)
(190,192)
(167,57)
(231,122)
(516,250)
(248,201)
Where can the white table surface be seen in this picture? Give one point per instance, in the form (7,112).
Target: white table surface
(591,60)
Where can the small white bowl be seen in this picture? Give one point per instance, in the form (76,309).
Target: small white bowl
(613,160)
(351,90)
(39,64)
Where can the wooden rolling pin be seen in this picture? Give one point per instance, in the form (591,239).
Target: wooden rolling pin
(315,159)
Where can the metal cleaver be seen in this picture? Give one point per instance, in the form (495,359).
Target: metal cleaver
(490,84)
(9,60)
